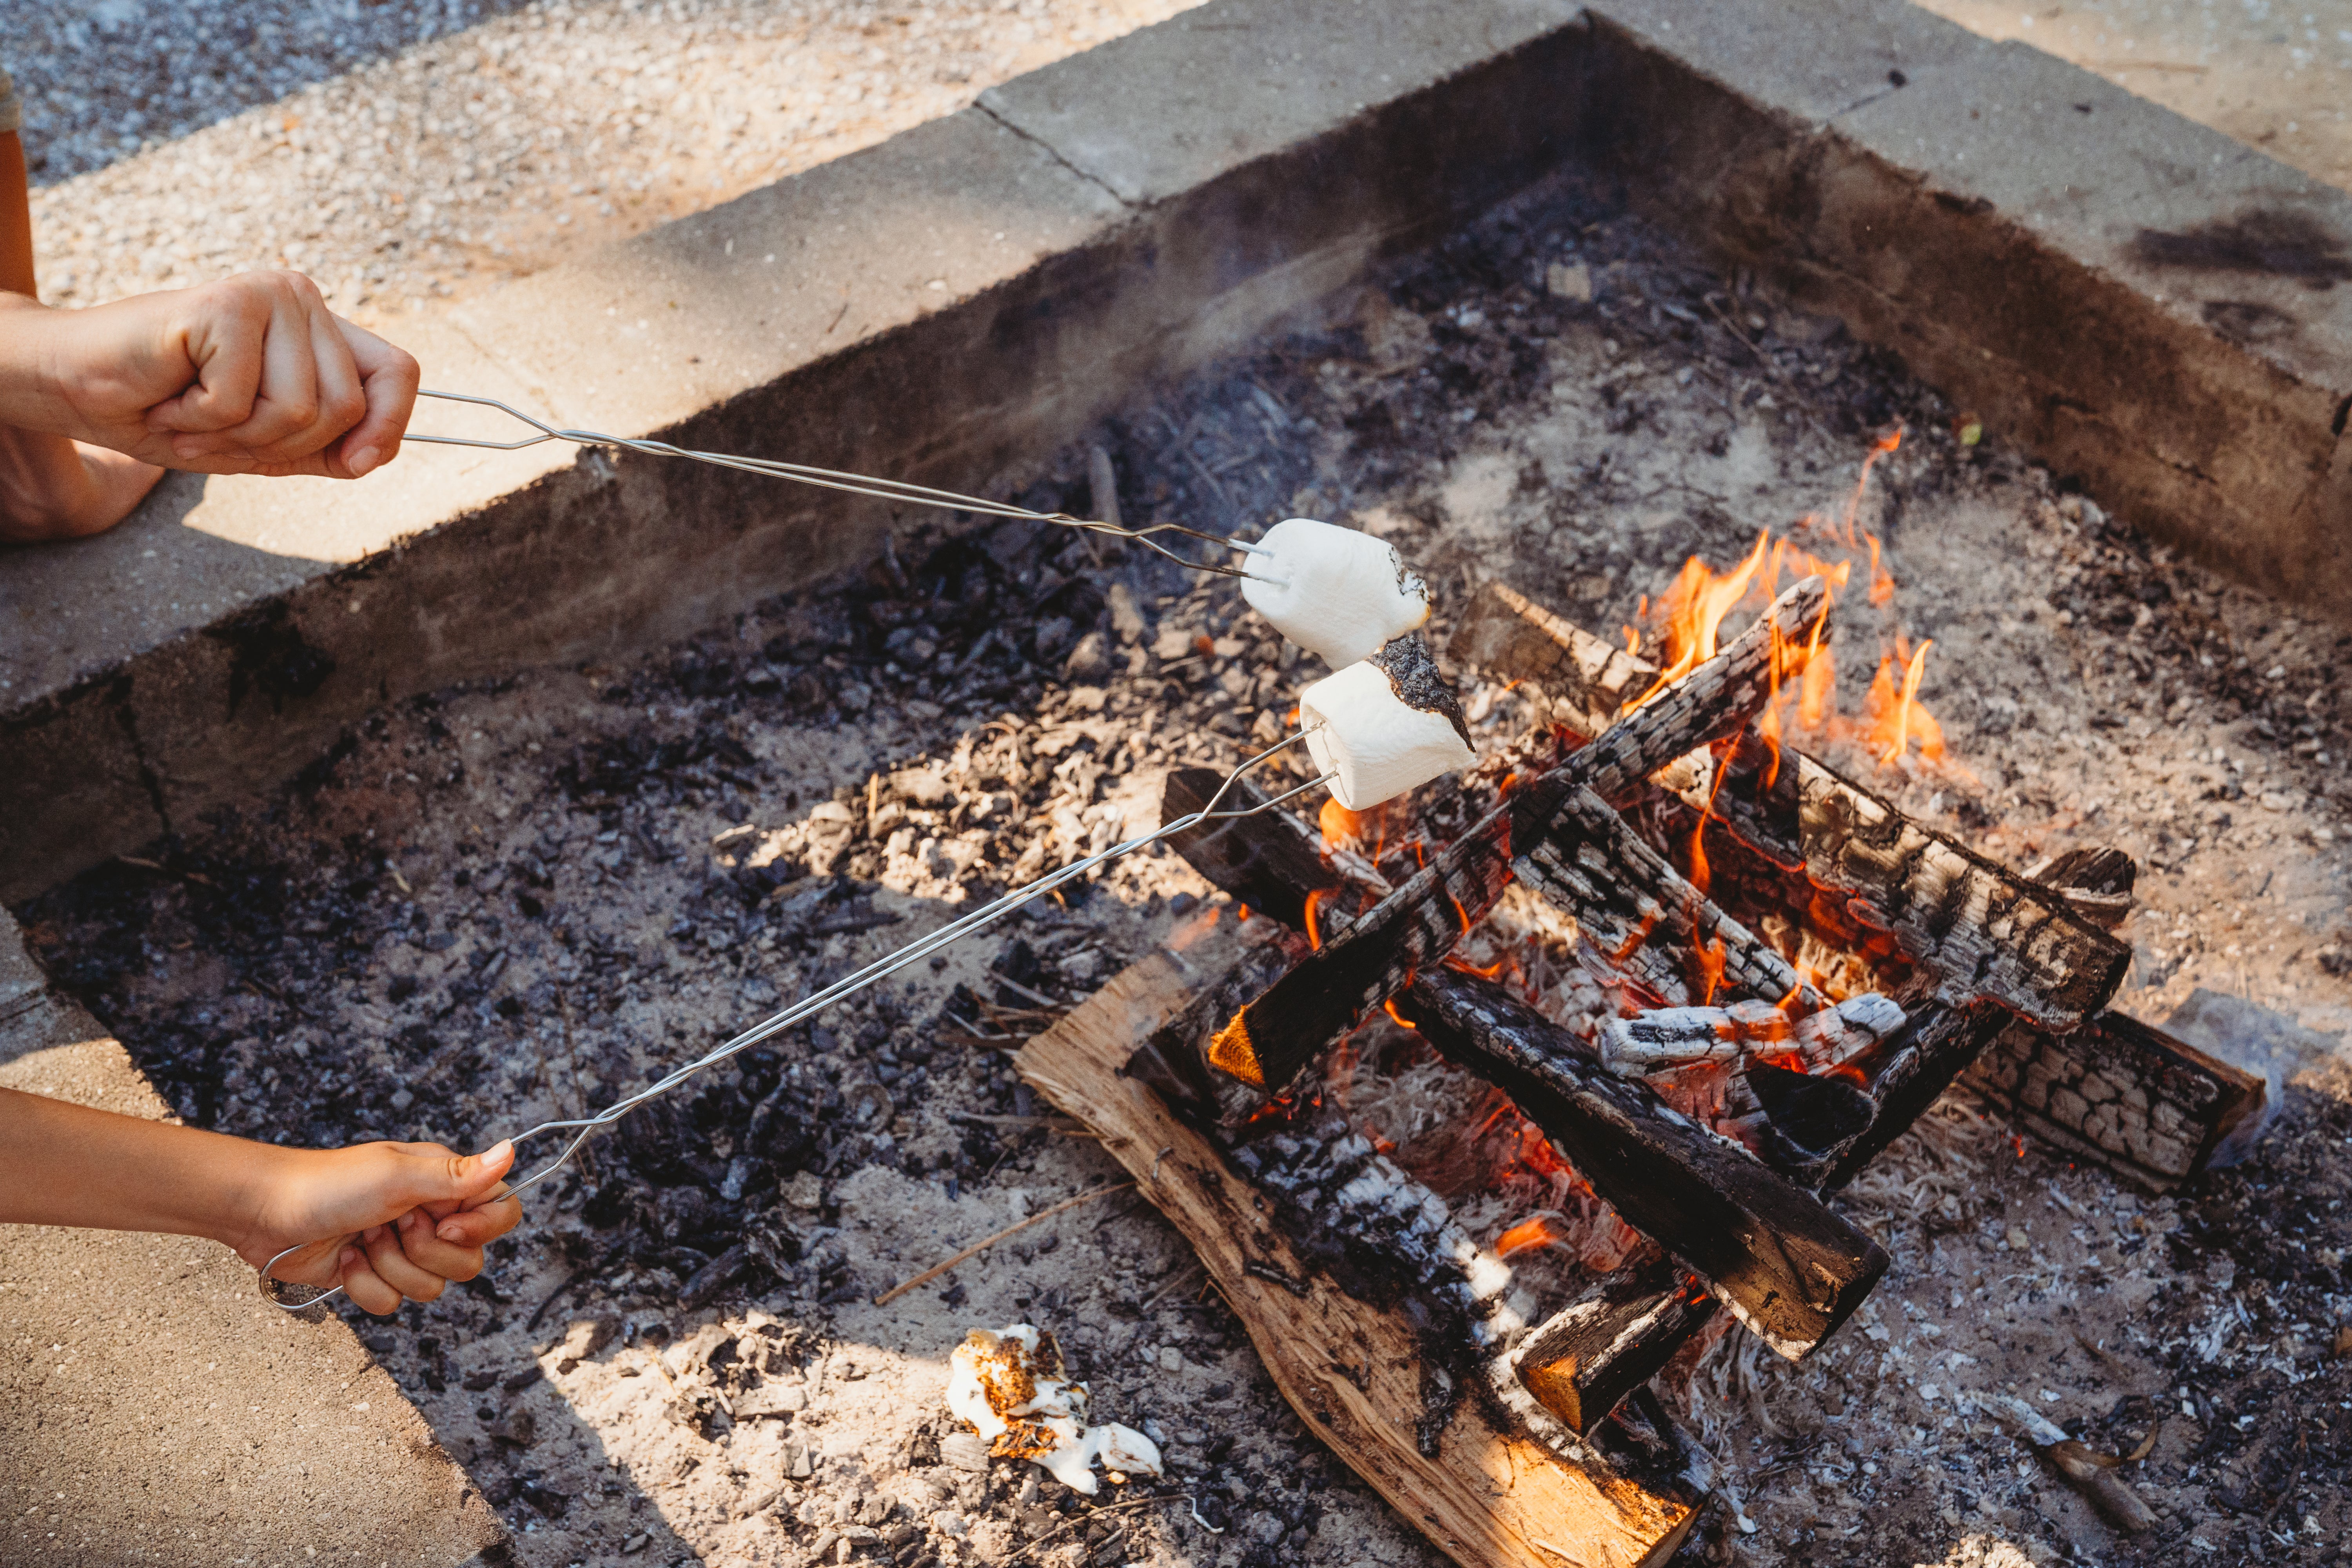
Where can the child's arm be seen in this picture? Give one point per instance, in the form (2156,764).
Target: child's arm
(389,1220)
(252,374)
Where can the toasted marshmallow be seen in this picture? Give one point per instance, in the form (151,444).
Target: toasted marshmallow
(1333,591)
(1384,725)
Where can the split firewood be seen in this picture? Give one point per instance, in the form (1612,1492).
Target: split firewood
(1358,1368)
(1634,906)
(2124,1094)
(1586,680)
(1785,1265)
(1584,856)
(1619,1333)
(1979,930)
(1934,1047)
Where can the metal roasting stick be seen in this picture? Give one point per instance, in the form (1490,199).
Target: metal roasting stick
(292,1297)
(853,484)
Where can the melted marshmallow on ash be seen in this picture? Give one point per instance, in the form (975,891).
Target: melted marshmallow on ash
(1384,725)
(1333,591)
(1014,1390)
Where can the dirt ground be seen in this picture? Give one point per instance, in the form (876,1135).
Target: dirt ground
(518,899)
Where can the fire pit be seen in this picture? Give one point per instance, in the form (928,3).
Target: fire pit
(1759,1286)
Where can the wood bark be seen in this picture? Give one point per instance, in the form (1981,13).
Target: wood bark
(1611,1340)
(2116,1091)
(1498,1492)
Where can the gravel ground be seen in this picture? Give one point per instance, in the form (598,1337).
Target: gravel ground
(518,897)
(396,165)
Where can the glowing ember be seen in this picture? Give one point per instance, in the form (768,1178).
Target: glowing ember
(1526,1237)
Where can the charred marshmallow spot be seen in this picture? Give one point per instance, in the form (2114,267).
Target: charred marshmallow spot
(1385,725)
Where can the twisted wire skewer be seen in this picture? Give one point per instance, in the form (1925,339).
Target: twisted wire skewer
(284,1293)
(898,491)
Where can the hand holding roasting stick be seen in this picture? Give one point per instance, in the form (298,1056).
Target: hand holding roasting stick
(250,375)
(386,1222)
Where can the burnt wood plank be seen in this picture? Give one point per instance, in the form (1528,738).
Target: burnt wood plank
(1980,929)
(1786,1266)
(1612,1339)
(1496,1485)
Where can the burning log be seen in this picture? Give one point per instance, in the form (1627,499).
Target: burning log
(1745,1031)
(1787,1265)
(1978,931)
(2116,1091)
(1582,853)
(1617,1336)
(1357,1370)
(1586,682)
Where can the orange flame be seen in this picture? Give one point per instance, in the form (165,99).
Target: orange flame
(1314,934)
(1711,961)
(1526,1237)
(1878,449)
(1694,607)
(1896,718)
(1339,823)
(1391,1007)
(1882,582)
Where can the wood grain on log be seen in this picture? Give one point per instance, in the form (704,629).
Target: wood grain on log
(1512,638)
(2116,1091)
(1982,929)
(1493,1496)
(1615,1337)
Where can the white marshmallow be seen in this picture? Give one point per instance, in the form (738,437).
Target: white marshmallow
(1379,745)
(1333,591)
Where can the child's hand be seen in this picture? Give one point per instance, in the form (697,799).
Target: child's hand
(398,1220)
(251,374)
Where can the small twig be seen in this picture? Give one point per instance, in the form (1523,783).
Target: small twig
(1076,1520)
(1761,358)
(1167,1290)
(552,1295)
(1024,1122)
(977,1247)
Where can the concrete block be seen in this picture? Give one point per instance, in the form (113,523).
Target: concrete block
(1165,110)
(154,1407)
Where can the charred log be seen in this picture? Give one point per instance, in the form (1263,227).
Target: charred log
(1511,638)
(1787,1266)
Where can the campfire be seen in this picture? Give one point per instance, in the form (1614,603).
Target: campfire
(1544,1073)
